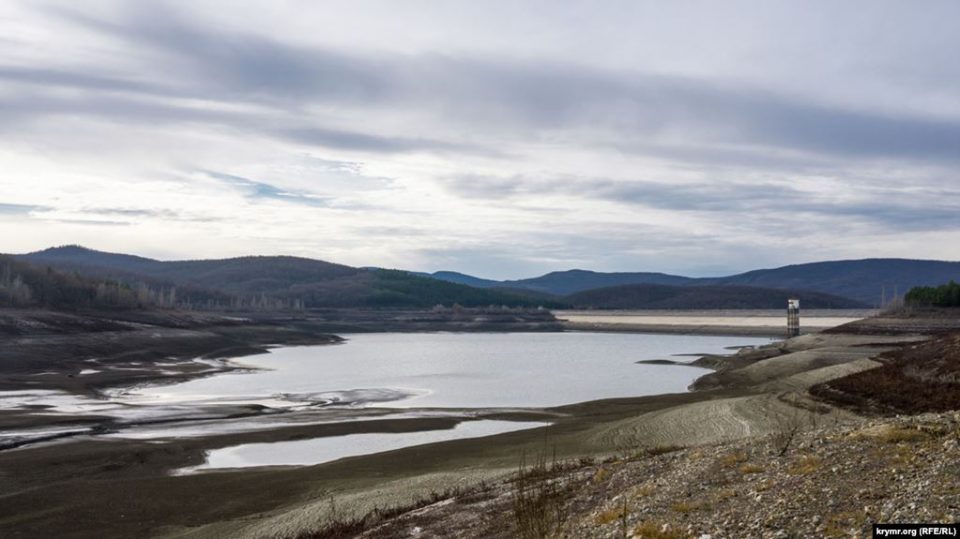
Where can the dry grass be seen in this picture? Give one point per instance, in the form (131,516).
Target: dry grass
(895,435)
(904,455)
(601,475)
(608,516)
(805,465)
(644,490)
(750,468)
(688,506)
(733,459)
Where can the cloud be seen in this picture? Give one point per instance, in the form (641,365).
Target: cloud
(932,209)
(498,94)
(444,136)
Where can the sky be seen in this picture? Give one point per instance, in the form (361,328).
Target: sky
(503,139)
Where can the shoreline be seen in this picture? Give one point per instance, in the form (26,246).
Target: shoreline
(132,476)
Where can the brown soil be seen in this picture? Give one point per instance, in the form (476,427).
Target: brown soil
(915,379)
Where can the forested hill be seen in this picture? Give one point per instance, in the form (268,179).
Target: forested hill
(27,285)
(283,280)
(652,296)
(870,281)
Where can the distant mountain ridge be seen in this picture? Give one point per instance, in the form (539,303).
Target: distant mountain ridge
(324,284)
(315,283)
(869,281)
(666,297)
(561,283)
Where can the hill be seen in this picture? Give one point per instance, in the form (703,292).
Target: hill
(652,296)
(562,283)
(873,282)
(463,278)
(285,279)
(868,280)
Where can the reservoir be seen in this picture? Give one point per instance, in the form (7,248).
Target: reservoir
(456,370)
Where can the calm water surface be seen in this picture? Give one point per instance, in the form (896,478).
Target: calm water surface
(457,370)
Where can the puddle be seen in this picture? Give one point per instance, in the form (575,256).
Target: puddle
(320,450)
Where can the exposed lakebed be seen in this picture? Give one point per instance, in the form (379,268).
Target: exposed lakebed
(390,375)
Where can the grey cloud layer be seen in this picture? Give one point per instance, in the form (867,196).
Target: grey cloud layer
(937,209)
(494,96)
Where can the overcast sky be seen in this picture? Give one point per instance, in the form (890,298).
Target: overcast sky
(503,139)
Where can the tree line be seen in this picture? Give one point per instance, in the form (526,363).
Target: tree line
(26,285)
(945,295)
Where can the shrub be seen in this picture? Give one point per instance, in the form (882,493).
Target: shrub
(539,501)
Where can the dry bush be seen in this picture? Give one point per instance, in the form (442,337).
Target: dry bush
(539,500)
(787,427)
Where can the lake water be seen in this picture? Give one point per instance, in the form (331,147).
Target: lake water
(463,370)
(421,374)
